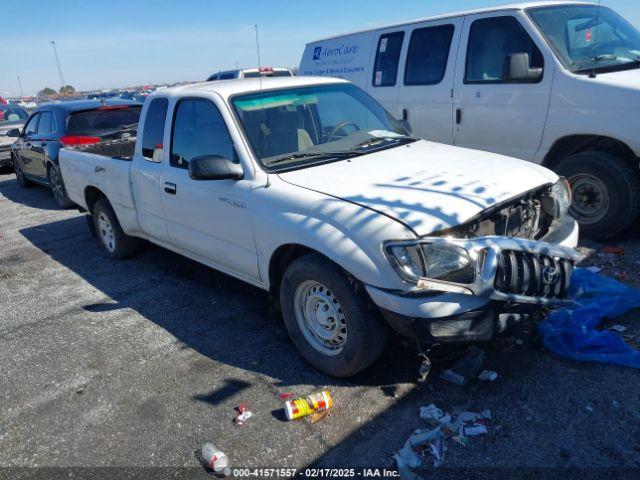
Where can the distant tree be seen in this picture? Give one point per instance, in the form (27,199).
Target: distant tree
(47,91)
(67,90)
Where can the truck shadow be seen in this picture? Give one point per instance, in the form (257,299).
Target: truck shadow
(218,316)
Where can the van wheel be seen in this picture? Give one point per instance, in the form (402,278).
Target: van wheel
(606,193)
(57,187)
(111,238)
(328,320)
(20,177)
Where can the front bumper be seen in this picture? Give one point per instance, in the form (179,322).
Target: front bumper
(451,312)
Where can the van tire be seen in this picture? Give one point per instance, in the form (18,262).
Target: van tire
(595,176)
(112,240)
(365,334)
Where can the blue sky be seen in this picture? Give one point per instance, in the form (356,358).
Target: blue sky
(132,42)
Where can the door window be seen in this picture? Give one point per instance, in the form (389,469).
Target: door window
(46,123)
(428,55)
(491,41)
(153,133)
(32,126)
(385,72)
(199,130)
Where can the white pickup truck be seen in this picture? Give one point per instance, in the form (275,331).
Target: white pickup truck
(309,189)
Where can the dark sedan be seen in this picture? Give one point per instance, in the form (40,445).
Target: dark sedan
(56,125)
(11,117)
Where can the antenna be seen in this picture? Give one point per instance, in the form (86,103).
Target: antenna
(595,57)
(258,52)
(20,83)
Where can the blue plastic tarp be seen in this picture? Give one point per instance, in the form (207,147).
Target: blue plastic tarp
(571,331)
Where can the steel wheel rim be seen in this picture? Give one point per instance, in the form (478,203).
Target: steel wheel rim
(105,230)
(591,199)
(320,318)
(56,184)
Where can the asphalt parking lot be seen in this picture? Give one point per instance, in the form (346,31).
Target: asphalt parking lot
(137,363)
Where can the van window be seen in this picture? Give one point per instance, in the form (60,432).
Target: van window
(385,73)
(227,76)
(428,55)
(153,134)
(199,130)
(491,41)
(46,123)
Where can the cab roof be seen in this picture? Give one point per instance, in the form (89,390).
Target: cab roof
(463,13)
(229,88)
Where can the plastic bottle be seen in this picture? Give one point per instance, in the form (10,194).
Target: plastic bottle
(216,459)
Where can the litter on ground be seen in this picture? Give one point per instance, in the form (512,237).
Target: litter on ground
(432,442)
(488,376)
(242,415)
(465,368)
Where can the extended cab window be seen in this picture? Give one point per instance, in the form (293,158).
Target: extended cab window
(491,41)
(385,72)
(153,134)
(199,130)
(428,55)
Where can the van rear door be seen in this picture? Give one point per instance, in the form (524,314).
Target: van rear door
(494,112)
(426,77)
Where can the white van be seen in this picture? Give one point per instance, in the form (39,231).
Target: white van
(556,83)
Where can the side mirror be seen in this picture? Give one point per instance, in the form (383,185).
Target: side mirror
(214,167)
(14,132)
(517,69)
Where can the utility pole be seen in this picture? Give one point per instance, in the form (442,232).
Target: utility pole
(55,52)
(20,83)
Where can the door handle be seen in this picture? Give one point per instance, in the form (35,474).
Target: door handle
(170,188)
(99,169)
(458,116)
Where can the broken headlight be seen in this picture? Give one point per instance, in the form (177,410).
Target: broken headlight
(438,260)
(558,200)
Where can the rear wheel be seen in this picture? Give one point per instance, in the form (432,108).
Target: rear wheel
(23,181)
(57,187)
(328,320)
(606,193)
(113,241)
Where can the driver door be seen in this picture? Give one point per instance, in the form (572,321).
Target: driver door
(209,219)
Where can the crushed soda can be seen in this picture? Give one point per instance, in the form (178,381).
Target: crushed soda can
(242,415)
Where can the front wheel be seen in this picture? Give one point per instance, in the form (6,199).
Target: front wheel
(113,241)
(57,187)
(606,193)
(328,319)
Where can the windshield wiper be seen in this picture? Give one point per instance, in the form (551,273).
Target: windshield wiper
(314,155)
(376,140)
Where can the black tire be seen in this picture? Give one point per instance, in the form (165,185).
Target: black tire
(23,181)
(58,190)
(365,332)
(595,176)
(118,245)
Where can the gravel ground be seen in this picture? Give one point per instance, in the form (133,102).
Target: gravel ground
(137,363)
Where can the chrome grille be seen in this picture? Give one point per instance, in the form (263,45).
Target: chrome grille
(524,273)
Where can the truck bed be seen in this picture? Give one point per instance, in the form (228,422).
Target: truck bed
(121,149)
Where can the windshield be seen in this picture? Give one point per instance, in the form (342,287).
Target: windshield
(588,38)
(12,113)
(297,127)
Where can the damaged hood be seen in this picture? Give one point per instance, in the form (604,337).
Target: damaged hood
(427,186)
